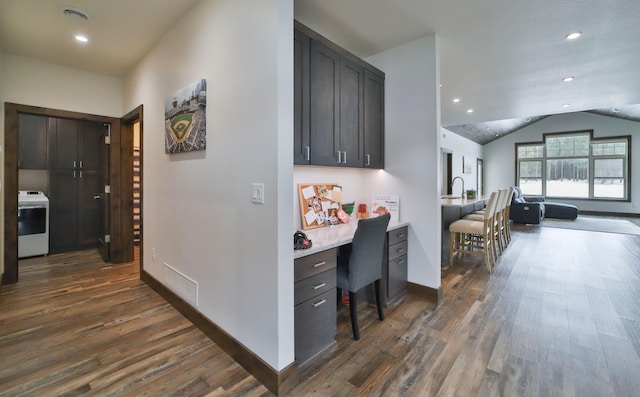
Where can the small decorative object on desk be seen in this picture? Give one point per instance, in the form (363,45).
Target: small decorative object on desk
(348,207)
(471,194)
(386,204)
(362,212)
(301,241)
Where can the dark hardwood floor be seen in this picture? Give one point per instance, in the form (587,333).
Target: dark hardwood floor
(560,316)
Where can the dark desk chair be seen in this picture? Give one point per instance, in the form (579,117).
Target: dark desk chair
(363,265)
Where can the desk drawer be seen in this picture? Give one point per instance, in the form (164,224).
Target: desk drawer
(314,264)
(397,235)
(397,250)
(314,285)
(315,325)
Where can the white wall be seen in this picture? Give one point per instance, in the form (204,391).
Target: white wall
(31,82)
(462,147)
(198,215)
(412,149)
(499,161)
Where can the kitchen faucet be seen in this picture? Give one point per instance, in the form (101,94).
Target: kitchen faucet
(461,180)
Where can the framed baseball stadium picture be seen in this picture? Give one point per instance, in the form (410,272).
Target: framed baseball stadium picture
(185,119)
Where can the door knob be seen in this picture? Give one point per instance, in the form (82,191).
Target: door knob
(96,197)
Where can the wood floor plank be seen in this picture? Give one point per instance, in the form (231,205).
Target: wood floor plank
(559,316)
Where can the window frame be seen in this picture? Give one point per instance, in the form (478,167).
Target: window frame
(591,160)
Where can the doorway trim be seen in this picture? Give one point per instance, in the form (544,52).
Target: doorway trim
(126,165)
(12,110)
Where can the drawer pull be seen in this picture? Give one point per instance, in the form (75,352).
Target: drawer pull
(320,264)
(319,286)
(319,303)
(401,250)
(400,262)
(401,235)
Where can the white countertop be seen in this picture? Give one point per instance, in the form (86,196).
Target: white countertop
(461,202)
(327,237)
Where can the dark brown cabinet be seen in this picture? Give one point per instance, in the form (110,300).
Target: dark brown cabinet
(32,142)
(315,306)
(75,150)
(338,105)
(373,120)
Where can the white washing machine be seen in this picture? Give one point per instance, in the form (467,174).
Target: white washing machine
(33,224)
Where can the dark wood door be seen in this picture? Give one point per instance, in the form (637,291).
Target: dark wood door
(63,204)
(324,104)
(32,136)
(63,143)
(301,149)
(351,117)
(102,198)
(373,120)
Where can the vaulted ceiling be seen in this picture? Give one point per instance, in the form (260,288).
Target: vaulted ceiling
(505,60)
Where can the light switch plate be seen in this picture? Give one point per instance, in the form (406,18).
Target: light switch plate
(257,193)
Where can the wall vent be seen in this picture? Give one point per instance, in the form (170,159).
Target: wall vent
(182,285)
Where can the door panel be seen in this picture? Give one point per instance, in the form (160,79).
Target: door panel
(63,202)
(103,199)
(63,138)
(88,208)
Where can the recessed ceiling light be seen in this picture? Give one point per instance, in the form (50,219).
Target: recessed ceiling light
(497,134)
(487,128)
(469,110)
(456,100)
(566,105)
(82,38)
(568,78)
(528,119)
(573,35)
(615,110)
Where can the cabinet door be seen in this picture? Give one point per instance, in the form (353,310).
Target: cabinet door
(63,205)
(324,104)
(88,209)
(301,149)
(89,145)
(351,116)
(32,141)
(63,143)
(373,120)
(397,281)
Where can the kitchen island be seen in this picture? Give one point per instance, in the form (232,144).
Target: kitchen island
(454,208)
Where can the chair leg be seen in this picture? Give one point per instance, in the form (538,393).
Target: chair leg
(378,302)
(354,317)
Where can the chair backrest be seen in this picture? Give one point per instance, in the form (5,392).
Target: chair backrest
(367,251)
(490,209)
(510,191)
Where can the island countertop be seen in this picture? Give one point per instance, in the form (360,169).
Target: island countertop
(446,201)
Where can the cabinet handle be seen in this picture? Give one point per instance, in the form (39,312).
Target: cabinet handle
(80,173)
(80,163)
(401,235)
(368,156)
(339,157)
(320,264)
(401,249)
(345,158)
(74,165)
(74,174)
(319,303)
(307,152)
(400,262)
(319,286)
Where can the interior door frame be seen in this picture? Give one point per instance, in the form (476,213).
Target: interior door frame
(127,122)
(12,110)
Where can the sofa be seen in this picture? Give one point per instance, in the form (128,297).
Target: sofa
(533,209)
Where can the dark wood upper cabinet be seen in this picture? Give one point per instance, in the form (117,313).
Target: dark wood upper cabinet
(32,141)
(324,104)
(301,151)
(373,120)
(338,105)
(63,143)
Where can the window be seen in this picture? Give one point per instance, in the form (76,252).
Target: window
(575,165)
(530,168)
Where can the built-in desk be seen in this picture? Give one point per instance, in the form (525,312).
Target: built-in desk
(315,297)
(452,210)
